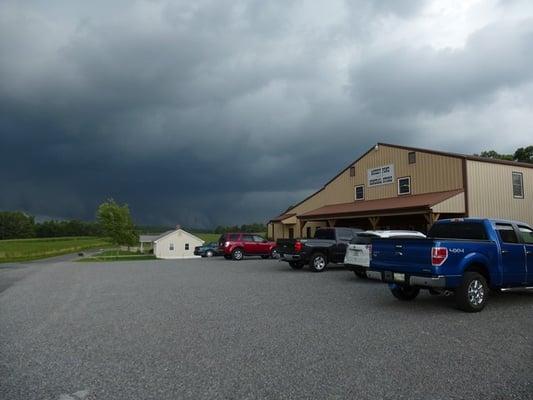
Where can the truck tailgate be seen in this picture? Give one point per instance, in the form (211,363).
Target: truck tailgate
(411,256)
(285,246)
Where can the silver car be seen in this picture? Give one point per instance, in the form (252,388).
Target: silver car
(357,257)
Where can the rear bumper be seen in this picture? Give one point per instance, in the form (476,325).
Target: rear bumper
(355,267)
(222,250)
(439,281)
(290,257)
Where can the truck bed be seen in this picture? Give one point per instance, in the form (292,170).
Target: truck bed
(414,256)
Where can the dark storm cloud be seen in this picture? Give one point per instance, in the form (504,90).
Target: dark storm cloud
(206,112)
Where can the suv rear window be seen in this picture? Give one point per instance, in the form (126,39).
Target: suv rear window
(459,230)
(325,234)
(227,237)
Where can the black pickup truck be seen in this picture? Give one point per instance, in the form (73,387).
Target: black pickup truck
(328,245)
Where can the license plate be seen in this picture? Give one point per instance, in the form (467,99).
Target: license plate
(399,277)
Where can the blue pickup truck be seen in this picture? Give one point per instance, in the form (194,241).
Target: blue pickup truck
(464,256)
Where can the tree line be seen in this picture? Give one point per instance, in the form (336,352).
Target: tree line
(522,154)
(248,228)
(113,220)
(18,225)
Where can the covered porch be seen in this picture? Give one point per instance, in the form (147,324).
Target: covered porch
(283,226)
(413,212)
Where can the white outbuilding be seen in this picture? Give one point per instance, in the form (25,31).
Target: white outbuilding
(176,244)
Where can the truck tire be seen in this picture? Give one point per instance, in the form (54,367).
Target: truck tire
(296,264)
(209,253)
(404,293)
(472,295)
(360,274)
(237,254)
(318,262)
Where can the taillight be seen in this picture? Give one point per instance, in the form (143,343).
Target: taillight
(298,246)
(438,256)
(369,248)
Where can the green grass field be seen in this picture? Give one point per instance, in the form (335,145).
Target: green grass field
(33,249)
(208,237)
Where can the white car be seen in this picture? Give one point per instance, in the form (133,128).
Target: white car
(357,258)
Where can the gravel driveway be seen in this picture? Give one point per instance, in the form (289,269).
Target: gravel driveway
(217,329)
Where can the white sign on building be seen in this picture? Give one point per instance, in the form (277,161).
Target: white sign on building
(381,175)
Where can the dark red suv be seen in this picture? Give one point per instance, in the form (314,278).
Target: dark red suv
(237,245)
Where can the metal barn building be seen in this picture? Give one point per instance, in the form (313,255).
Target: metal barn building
(392,187)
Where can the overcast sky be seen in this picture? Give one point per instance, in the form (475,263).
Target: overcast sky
(216,112)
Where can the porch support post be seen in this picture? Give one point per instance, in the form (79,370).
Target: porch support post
(331,223)
(374,222)
(431,218)
(302,224)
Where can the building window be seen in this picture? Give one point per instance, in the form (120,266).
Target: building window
(308,232)
(291,233)
(518,185)
(352,171)
(360,192)
(171,246)
(412,157)
(186,246)
(404,185)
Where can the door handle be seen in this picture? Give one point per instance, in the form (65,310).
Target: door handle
(505,251)
(528,252)
(399,246)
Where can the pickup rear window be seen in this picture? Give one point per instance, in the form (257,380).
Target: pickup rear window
(459,230)
(325,234)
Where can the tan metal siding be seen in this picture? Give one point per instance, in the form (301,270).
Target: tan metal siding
(430,173)
(454,205)
(490,192)
(277,230)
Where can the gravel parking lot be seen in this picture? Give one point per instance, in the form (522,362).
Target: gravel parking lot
(213,328)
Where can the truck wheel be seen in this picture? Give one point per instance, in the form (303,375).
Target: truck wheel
(296,264)
(404,293)
(318,262)
(237,254)
(472,295)
(274,253)
(360,274)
